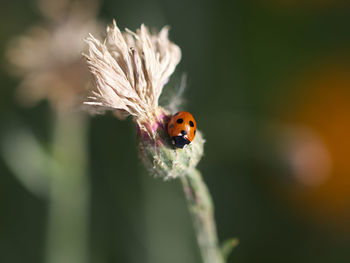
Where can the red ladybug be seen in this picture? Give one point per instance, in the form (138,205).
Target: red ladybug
(182,128)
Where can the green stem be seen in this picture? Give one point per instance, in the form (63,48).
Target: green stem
(68,193)
(201,208)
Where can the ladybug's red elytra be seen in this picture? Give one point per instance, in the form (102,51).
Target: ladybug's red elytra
(182,128)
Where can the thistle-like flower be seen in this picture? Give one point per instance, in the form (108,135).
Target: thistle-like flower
(130,70)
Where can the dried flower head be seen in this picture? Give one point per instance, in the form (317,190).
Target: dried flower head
(130,70)
(48,59)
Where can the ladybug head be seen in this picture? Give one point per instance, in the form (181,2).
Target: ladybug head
(180,141)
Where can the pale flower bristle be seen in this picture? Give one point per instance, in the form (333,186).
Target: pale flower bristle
(130,70)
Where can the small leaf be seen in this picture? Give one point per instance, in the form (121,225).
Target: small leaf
(228,246)
(27,159)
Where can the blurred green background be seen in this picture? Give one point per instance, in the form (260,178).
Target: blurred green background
(269,84)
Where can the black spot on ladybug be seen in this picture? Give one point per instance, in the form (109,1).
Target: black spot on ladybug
(180,121)
(195,132)
(183,132)
(191,124)
(171,126)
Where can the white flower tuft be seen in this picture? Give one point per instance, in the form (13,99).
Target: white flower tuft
(130,71)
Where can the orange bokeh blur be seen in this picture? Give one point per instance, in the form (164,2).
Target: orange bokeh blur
(321,102)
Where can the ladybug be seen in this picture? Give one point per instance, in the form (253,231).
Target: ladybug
(182,128)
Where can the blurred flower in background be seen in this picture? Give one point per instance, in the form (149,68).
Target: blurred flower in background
(48,61)
(59,10)
(48,57)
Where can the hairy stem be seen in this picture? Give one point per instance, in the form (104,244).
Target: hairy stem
(201,208)
(68,193)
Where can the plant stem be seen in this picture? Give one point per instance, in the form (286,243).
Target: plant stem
(68,193)
(201,207)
